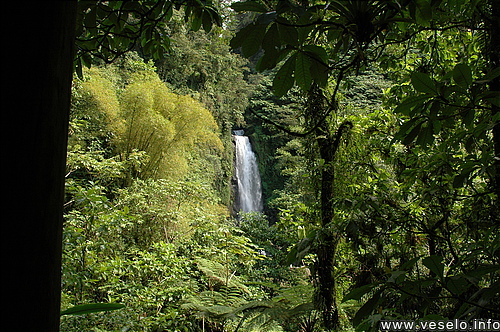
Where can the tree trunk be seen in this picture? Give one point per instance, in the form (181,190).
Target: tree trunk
(494,59)
(36,91)
(327,240)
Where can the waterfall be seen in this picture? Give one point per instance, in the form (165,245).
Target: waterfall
(249,191)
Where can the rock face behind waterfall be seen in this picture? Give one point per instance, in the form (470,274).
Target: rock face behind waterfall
(248,189)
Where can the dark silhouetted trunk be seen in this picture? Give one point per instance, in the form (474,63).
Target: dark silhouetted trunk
(36,91)
(494,59)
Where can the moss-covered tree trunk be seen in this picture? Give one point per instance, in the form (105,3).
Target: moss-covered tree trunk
(327,240)
(36,91)
(328,142)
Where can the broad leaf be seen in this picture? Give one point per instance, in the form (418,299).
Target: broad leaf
(239,37)
(408,139)
(426,135)
(266,18)
(319,72)
(357,293)
(266,61)
(423,12)
(197,19)
(457,285)
(468,118)
(409,264)
(270,59)
(253,40)
(397,277)
(317,52)
(423,83)
(435,264)
(366,309)
(299,251)
(462,75)
(288,33)
(208,18)
(272,42)
(303,71)
(408,131)
(249,39)
(483,270)
(406,105)
(459,179)
(492,97)
(283,81)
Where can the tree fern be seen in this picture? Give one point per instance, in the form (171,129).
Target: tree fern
(220,276)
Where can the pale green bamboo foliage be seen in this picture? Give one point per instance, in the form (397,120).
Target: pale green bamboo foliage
(95,111)
(164,125)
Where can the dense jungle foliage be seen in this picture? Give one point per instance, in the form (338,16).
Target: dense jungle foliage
(377,129)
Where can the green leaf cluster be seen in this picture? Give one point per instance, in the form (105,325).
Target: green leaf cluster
(108,30)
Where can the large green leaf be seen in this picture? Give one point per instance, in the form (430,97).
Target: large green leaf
(358,293)
(482,270)
(209,17)
(239,37)
(460,179)
(492,97)
(288,33)
(407,104)
(303,71)
(317,52)
(197,19)
(407,131)
(435,264)
(457,284)
(410,263)
(366,309)
(462,75)
(249,39)
(266,61)
(283,81)
(426,135)
(397,277)
(423,12)
(423,83)
(271,42)
(270,59)
(319,72)
(91,307)
(318,58)
(253,40)
(414,132)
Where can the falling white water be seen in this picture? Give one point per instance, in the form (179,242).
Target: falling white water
(247,175)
